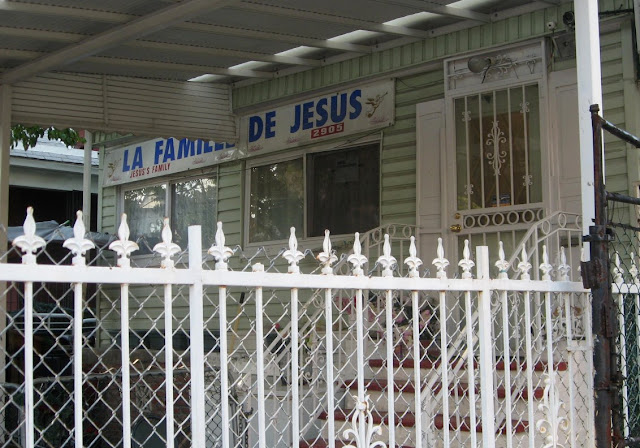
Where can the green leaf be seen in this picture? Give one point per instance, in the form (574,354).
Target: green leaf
(29,135)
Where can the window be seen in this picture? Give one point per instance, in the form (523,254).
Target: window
(342,194)
(187,202)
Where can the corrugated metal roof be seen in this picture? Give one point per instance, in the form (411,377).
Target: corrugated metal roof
(183,40)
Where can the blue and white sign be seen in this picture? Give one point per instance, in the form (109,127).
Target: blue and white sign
(357,109)
(353,110)
(159,157)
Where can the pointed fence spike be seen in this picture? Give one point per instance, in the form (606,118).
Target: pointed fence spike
(524,266)
(545,267)
(633,270)
(563,267)
(326,257)
(293,255)
(123,229)
(78,245)
(219,251)
(167,248)
(617,270)
(122,246)
(357,259)
(29,242)
(502,264)
(412,261)
(440,262)
(386,260)
(466,263)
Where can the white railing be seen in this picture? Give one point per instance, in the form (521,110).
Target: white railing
(422,372)
(558,230)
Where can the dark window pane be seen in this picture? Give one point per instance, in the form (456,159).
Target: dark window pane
(344,190)
(277,200)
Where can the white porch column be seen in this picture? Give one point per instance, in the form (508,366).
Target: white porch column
(5,142)
(5,134)
(86,180)
(589,92)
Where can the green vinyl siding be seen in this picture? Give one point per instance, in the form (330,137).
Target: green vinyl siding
(109,210)
(398,163)
(500,32)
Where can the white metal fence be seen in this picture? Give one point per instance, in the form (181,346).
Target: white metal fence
(228,350)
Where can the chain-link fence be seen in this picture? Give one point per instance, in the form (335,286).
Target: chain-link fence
(613,275)
(296,360)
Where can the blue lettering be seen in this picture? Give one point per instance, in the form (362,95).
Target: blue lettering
(137,158)
(208,147)
(169,151)
(270,123)
(198,147)
(156,156)
(218,146)
(186,148)
(338,117)
(296,120)
(230,145)
(321,109)
(307,115)
(255,128)
(125,161)
(354,100)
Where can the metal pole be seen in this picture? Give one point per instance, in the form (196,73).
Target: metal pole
(600,284)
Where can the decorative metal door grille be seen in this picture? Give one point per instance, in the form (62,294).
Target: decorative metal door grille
(497,141)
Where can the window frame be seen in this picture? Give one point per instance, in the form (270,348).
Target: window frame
(303,152)
(168,180)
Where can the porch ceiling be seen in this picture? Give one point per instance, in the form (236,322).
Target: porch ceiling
(222,41)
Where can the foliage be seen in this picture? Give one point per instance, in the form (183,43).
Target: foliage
(29,135)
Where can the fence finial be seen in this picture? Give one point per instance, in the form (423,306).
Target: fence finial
(122,246)
(219,251)
(440,262)
(293,255)
(356,258)
(29,242)
(326,257)
(524,266)
(386,260)
(545,267)
(78,245)
(412,260)
(633,270)
(466,263)
(502,264)
(563,267)
(167,248)
(617,270)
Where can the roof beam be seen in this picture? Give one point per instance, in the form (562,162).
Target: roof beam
(112,17)
(134,29)
(330,18)
(155,65)
(208,51)
(57,36)
(449,11)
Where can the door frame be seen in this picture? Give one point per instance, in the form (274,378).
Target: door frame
(457,86)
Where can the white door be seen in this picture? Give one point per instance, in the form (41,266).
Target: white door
(494,163)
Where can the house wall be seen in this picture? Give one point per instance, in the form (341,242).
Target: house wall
(419,76)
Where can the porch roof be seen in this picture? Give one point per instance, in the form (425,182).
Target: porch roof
(225,41)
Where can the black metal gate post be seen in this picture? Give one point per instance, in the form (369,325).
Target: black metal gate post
(595,276)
